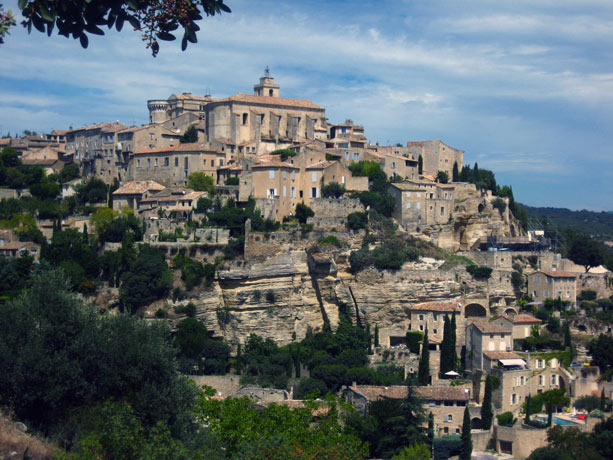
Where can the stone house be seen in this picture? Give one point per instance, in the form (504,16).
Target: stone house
(176,201)
(20,248)
(446,403)
(553,285)
(483,337)
(131,193)
(396,165)
(520,325)
(432,315)
(171,166)
(437,156)
(514,374)
(421,203)
(548,372)
(346,129)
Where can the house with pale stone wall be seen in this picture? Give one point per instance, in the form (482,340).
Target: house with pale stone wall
(553,285)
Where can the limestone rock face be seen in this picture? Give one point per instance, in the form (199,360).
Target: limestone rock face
(272,298)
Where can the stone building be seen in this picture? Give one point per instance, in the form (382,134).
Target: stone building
(422,203)
(436,155)
(432,316)
(131,193)
(514,374)
(248,124)
(446,403)
(553,285)
(482,337)
(519,325)
(394,164)
(171,166)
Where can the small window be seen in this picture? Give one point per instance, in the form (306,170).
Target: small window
(176,161)
(421,317)
(540,380)
(138,163)
(314,177)
(148,162)
(166,161)
(156,162)
(245,118)
(421,327)
(435,331)
(293,175)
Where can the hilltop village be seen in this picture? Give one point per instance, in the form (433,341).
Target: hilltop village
(273,226)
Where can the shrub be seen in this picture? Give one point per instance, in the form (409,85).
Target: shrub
(588,403)
(413,339)
(479,271)
(330,240)
(500,204)
(506,419)
(310,387)
(587,294)
(357,221)
(303,212)
(188,310)
(333,190)
(232,181)
(285,153)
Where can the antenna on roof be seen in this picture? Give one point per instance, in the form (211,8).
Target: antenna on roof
(267,72)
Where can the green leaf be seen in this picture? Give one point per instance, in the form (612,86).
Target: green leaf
(119,24)
(166,36)
(134,22)
(46,14)
(22,4)
(84,40)
(184,43)
(93,29)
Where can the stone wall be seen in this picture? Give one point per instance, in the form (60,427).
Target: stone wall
(333,212)
(523,439)
(226,385)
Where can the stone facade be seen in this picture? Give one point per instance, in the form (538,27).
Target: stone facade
(422,203)
(484,337)
(553,285)
(332,212)
(172,166)
(437,156)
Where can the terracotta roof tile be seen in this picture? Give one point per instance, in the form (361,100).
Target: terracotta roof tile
(271,100)
(524,318)
(490,328)
(189,147)
(493,355)
(444,306)
(559,274)
(136,187)
(442,393)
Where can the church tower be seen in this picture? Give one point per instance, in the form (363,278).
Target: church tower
(267,86)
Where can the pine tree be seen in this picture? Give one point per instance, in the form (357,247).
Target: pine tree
(486,406)
(456,172)
(420,165)
(467,442)
(423,372)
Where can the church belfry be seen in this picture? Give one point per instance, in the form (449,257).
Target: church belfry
(267,86)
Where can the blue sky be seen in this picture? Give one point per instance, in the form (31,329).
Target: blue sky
(525,88)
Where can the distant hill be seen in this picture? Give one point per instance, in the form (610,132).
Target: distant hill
(597,224)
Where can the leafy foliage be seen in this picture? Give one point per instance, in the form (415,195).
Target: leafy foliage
(333,190)
(357,221)
(148,279)
(601,350)
(189,136)
(303,212)
(585,251)
(155,19)
(201,182)
(391,254)
(442,177)
(479,271)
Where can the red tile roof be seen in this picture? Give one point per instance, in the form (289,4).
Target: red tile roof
(442,393)
(525,318)
(444,306)
(558,274)
(490,328)
(189,147)
(271,100)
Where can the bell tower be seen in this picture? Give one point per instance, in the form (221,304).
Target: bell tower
(267,86)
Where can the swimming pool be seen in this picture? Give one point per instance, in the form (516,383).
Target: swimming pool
(556,421)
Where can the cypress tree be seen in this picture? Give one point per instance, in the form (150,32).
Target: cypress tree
(467,442)
(420,165)
(85,235)
(476,174)
(454,354)
(603,402)
(456,172)
(376,335)
(431,427)
(486,406)
(369,339)
(239,359)
(528,414)
(423,372)
(445,347)
(567,337)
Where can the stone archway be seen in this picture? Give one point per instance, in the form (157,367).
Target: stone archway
(510,311)
(475,423)
(475,310)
